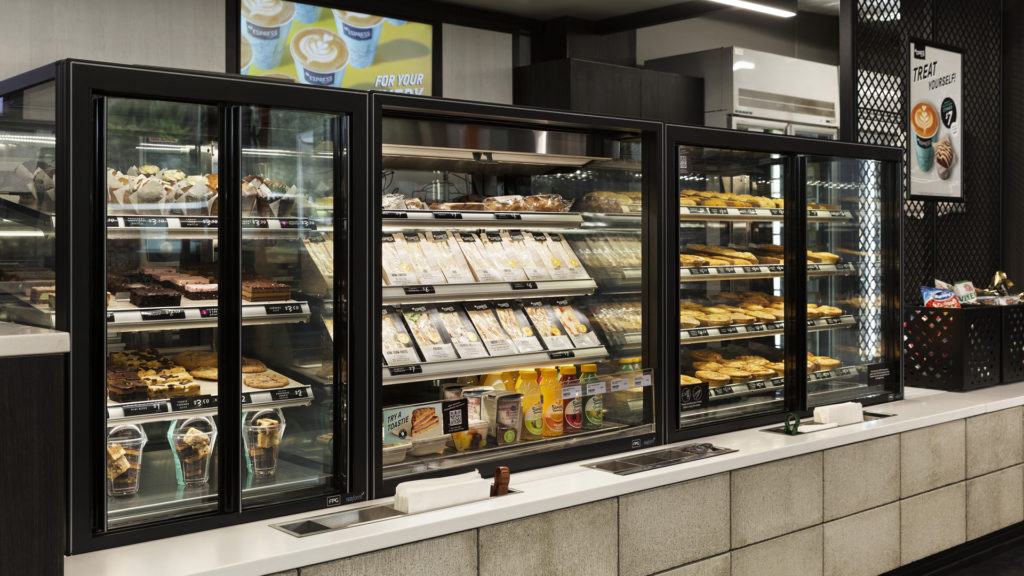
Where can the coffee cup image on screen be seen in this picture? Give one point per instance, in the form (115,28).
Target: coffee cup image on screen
(265,25)
(925,123)
(307,13)
(361,33)
(245,55)
(320,57)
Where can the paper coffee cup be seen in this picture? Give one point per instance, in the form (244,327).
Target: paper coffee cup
(244,56)
(320,57)
(361,33)
(925,123)
(265,24)
(306,13)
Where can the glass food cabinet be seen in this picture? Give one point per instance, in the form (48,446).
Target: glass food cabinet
(204,226)
(788,271)
(516,273)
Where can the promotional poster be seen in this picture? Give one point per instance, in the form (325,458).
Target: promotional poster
(310,44)
(935,123)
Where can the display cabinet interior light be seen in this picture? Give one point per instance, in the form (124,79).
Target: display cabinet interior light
(438,153)
(26,139)
(182,148)
(743,65)
(756,7)
(283,153)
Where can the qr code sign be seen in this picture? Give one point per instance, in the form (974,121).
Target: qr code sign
(455,418)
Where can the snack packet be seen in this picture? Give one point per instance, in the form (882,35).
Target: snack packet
(939,298)
(965,292)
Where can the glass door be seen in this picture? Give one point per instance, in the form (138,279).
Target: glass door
(293,194)
(161,191)
(848,242)
(731,283)
(512,288)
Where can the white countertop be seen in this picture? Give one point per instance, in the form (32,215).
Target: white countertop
(21,340)
(255,548)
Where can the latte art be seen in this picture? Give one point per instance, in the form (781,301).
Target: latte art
(265,8)
(924,119)
(319,48)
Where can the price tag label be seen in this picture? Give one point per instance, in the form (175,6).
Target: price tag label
(524,285)
(195,403)
(747,211)
(561,354)
(405,370)
(776,268)
(618,385)
(570,392)
(778,212)
(207,312)
(110,316)
(844,266)
(757,385)
(289,394)
(833,321)
(727,269)
(728,330)
(197,222)
(719,211)
(700,271)
(776,382)
(410,290)
(642,381)
(596,388)
(696,210)
(507,216)
(394,214)
(170,314)
(812,213)
(775,325)
(145,408)
(113,222)
(811,323)
(447,215)
(813,268)
(255,223)
(145,222)
(697,333)
(837,214)
(273,309)
(752,269)
(723,390)
(756,327)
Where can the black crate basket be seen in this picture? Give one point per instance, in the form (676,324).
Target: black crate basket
(953,348)
(1013,343)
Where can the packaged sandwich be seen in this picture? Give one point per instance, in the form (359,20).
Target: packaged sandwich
(424,324)
(479,263)
(537,242)
(576,325)
(508,266)
(395,341)
(531,262)
(442,247)
(487,326)
(460,332)
(547,326)
(396,262)
(425,267)
(559,248)
(517,326)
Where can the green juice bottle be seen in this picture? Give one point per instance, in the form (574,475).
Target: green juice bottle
(593,404)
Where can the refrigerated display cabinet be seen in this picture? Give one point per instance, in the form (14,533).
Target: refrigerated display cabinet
(202,268)
(516,274)
(788,276)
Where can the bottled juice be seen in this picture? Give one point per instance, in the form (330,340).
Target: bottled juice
(593,405)
(533,405)
(551,392)
(572,408)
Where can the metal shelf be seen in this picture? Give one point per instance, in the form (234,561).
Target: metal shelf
(293,394)
(731,391)
(141,226)
(124,317)
(716,273)
(486,291)
(474,219)
(601,220)
(719,213)
(475,366)
(757,330)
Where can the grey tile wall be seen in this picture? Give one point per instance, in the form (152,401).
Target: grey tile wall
(714,566)
(451,555)
(776,498)
(932,522)
(796,553)
(994,441)
(995,501)
(864,544)
(861,476)
(932,457)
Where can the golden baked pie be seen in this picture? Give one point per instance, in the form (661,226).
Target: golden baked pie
(706,356)
(684,379)
(711,366)
(712,378)
(737,375)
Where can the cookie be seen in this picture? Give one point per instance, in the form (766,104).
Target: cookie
(192,359)
(265,381)
(252,366)
(204,373)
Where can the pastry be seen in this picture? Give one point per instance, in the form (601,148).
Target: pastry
(154,297)
(201,291)
(826,363)
(684,380)
(944,158)
(690,260)
(822,257)
(710,366)
(778,367)
(736,375)
(759,372)
(252,366)
(205,373)
(715,320)
(758,360)
(265,381)
(124,385)
(712,378)
(688,322)
(265,291)
(192,359)
(706,356)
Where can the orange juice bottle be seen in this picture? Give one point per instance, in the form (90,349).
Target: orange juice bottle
(551,392)
(533,405)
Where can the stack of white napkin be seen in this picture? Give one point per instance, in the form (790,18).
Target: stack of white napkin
(423,495)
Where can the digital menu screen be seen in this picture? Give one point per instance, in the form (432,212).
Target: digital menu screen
(311,44)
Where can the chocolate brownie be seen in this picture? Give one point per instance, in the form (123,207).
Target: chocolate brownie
(154,297)
(201,291)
